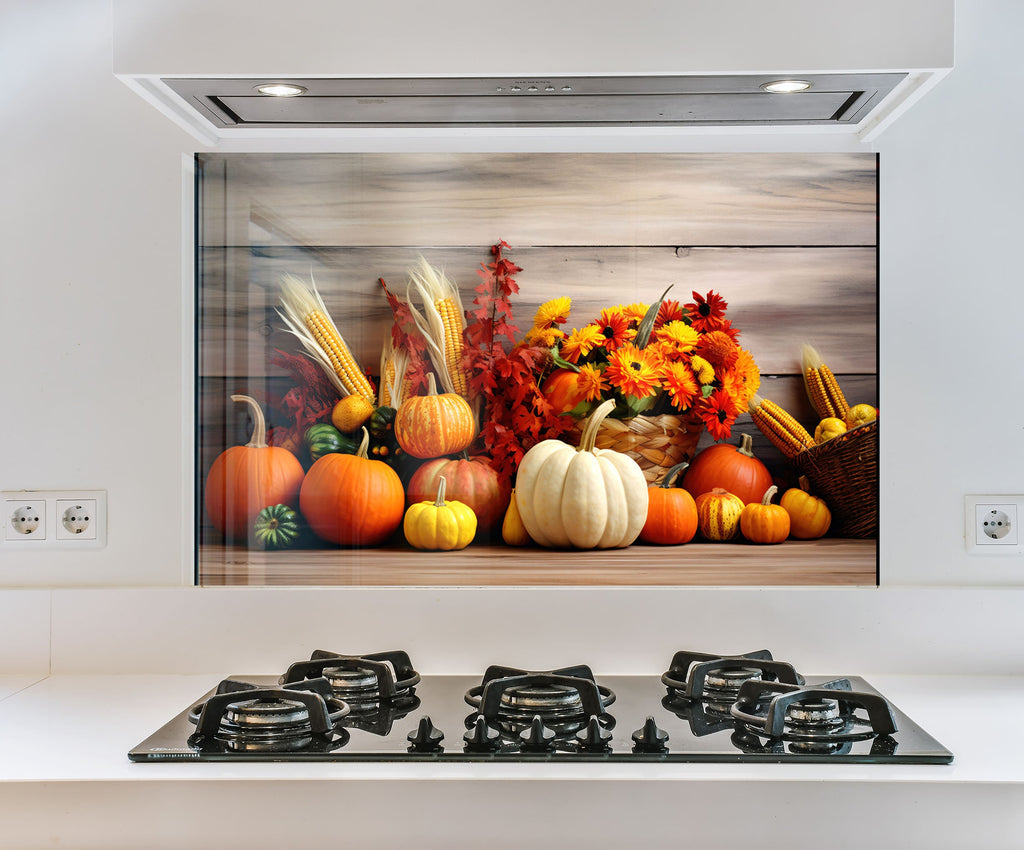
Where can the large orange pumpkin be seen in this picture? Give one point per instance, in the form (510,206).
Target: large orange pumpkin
(352,500)
(561,389)
(671,512)
(244,480)
(433,425)
(471,482)
(733,468)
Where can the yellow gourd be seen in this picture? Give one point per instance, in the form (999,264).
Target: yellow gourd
(587,498)
(513,532)
(440,524)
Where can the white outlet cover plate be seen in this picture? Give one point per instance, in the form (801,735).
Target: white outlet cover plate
(96,538)
(976,508)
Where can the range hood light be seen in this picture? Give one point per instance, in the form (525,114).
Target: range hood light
(280,89)
(786,86)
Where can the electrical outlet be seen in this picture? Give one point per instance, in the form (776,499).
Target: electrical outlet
(991,525)
(54,519)
(24,519)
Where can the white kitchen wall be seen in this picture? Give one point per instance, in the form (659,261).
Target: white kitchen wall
(92,204)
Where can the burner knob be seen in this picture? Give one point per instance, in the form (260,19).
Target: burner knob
(538,738)
(594,738)
(650,739)
(481,738)
(427,737)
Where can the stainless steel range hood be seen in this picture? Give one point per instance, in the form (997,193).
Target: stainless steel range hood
(620,101)
(576,69)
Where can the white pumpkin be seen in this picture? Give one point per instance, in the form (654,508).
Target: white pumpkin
(584,497)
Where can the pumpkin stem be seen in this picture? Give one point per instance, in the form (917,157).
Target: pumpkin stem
(674,472)
(258,440)
(768,494)
(593,423)
(364,444)
(746,446)
(431,384)
(439,501)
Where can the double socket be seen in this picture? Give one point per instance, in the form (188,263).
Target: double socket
(54,519)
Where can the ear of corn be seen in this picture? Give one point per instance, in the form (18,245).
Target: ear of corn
(823,389)
(441,323)
(307,318)
(394,386)
(784,432)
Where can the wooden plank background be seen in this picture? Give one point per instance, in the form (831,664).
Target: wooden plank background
(788,239)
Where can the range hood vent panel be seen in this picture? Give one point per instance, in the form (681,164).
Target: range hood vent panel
(619,101)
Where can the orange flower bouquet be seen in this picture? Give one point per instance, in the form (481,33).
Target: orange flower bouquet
(673,370)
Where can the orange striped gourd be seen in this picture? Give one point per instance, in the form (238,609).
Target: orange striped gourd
(718,514)
(433,425)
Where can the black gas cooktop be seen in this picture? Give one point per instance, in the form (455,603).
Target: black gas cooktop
(704,708)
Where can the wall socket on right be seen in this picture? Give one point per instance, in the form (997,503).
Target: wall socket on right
(992,525)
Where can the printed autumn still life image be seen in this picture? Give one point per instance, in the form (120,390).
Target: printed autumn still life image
(569,425)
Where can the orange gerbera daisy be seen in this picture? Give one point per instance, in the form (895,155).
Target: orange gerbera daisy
(614,326)
(631,371)
(718,348)
(590,382)
(681,384)
(581,342)
(718,411)
(707,313)
(635,312)
(743,379)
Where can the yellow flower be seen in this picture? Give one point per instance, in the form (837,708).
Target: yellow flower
(635,312)
(543,337)
(678,335)
(553,312)
(581,342)
(704,371)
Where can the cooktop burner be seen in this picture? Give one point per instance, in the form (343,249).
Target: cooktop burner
(704,708)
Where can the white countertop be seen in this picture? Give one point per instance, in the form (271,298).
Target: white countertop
(64,741)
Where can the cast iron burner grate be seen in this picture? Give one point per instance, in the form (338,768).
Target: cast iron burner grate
(243,717)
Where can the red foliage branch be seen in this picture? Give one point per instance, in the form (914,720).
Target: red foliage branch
(406,335)
(311,399)
(516,416)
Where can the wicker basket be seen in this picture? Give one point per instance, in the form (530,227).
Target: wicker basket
(656,443)
(844,472)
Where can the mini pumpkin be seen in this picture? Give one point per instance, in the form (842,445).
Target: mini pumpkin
(323,439)
(809,516)
(562,391)
(433,425)
(718,514)
(440,525)
(671,512)
(243,480)
(765,522)
(277,527)
(584,497)
(352,500)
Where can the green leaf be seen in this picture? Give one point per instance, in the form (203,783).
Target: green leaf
(563,364)
(643,331)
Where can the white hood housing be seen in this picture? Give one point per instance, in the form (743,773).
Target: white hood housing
(578,66)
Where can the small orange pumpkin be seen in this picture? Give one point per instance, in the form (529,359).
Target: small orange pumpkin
(765,522)
(671,512)
(433,425)
(809,516)
(352,500)
(244,480)
(561,389)
(718,514)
